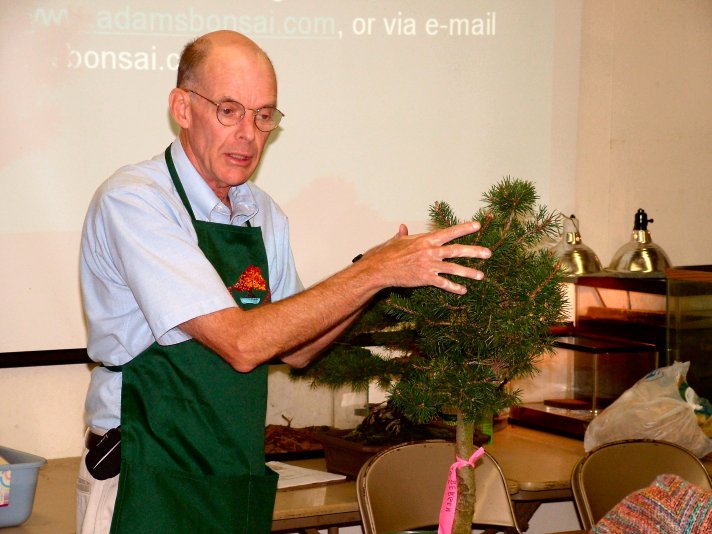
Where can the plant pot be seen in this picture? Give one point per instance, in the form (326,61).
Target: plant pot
(345,456)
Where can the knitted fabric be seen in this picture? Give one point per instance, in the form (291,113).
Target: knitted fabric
(670,505)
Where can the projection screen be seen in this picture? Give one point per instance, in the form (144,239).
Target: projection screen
(390,106)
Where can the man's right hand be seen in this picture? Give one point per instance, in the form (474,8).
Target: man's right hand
(417,260)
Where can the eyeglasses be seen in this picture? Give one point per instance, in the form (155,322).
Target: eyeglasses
(230,112)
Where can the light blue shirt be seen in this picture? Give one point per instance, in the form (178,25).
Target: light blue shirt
(143,274)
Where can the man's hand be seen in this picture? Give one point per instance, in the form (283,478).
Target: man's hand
(417,260)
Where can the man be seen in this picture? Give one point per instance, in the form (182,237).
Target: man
(190,287)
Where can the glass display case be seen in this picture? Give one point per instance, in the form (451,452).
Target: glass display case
(617,336)
(689,323)
(603,369)
(622,307)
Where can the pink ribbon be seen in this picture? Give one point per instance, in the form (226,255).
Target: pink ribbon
(447,510)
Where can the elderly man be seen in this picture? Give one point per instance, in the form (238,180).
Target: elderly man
(189,288)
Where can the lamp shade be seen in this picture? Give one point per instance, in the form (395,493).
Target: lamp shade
(575,257)
(640,255)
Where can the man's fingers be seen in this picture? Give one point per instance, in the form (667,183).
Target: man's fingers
(438,238)
(418,260)
(460,270)
(464,251)
(453,232)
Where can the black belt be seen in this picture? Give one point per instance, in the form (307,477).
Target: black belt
(91,440)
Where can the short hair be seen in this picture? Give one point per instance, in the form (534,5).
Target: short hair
(193,55)
(196,52)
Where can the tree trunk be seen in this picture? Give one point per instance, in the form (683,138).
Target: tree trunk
(466,495)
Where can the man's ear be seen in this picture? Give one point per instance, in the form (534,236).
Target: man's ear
(179,106)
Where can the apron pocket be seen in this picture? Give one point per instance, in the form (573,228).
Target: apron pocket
(154,499)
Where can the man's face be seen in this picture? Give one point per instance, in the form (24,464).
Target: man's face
(226,156)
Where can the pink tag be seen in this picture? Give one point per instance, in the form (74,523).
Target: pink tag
(447,510)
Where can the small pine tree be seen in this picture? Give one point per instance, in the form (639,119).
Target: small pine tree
(459,352)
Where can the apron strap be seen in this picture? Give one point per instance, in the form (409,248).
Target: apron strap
(176,182)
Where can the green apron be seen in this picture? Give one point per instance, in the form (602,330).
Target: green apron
(192,428)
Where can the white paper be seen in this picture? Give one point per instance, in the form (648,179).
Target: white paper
(291,476)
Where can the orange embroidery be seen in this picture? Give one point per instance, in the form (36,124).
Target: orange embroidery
(250,280)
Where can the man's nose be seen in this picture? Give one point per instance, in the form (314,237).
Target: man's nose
(246,128)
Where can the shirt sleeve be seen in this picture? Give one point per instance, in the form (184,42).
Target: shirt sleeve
(149,244)
(288,282)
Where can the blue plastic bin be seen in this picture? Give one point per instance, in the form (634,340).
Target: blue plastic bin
(25,468)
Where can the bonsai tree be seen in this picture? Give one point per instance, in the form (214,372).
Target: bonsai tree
(459,353)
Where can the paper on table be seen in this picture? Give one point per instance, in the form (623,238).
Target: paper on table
(292,476)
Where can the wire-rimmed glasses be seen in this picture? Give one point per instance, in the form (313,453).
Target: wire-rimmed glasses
(231,112)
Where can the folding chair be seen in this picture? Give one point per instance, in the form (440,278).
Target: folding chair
(401,488)
(604,476)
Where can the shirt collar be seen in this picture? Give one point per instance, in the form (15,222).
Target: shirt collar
(204,202)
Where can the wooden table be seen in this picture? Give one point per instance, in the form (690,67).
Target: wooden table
(328,506)
(540,464)
(537,464)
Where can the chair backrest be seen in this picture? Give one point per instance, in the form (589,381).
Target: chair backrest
(607,474)
(402,488)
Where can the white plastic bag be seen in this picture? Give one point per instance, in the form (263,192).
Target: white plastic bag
(653,409)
